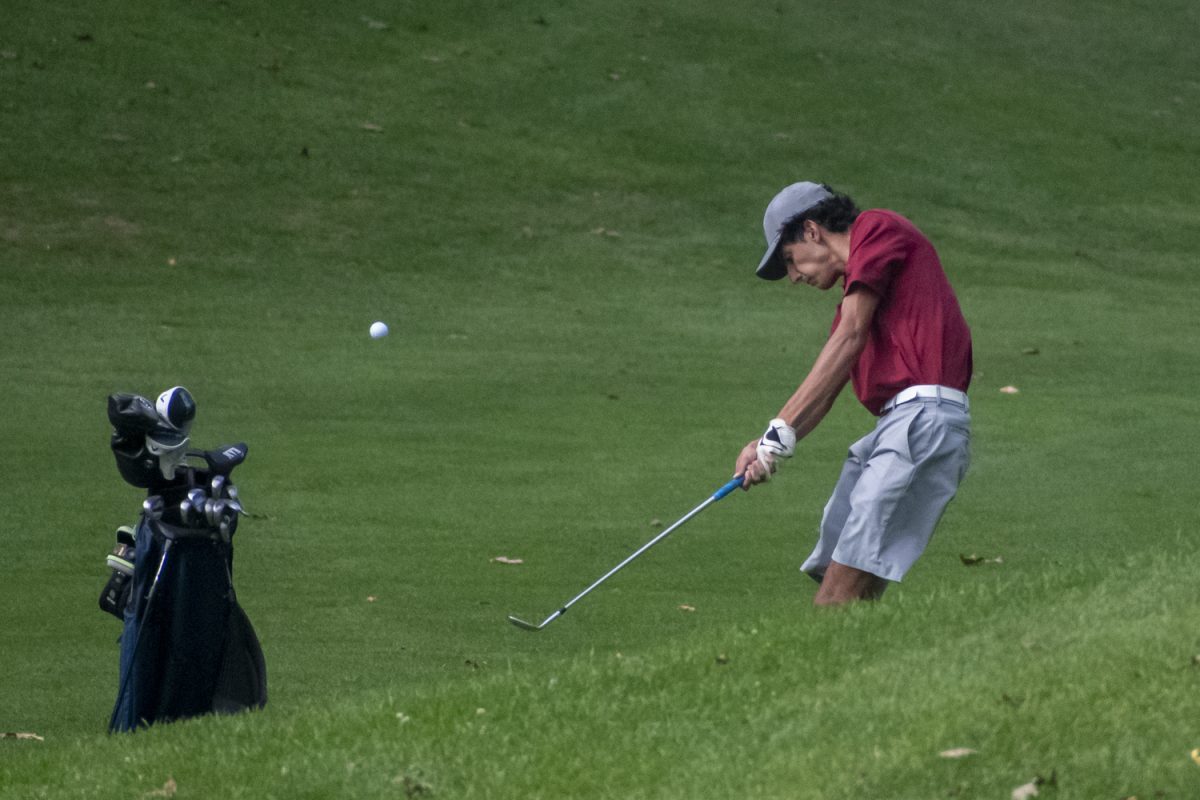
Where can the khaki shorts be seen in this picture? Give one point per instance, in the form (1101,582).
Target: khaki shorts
(895,484)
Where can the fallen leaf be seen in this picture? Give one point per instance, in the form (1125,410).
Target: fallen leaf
(1195,754)
(32,736)
(1026,791)
(168,790)
(1031,789)
(1009,390)
(957,752)
(722,659)
(657,523)
(1030,351)
(507,560)
(606,232)
(371,598)
(374,24)
(371,126)
(686,607)
(974,560)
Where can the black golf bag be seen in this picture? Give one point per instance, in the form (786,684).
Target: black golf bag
(187,647)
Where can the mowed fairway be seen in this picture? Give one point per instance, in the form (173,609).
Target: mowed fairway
(557,210)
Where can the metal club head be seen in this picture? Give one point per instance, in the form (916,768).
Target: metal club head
(217,485)
(529,626)
(522,624)
(153,507)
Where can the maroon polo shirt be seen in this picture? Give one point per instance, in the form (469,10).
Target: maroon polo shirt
(918,334)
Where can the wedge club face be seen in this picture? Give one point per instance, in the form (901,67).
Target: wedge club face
(529,626)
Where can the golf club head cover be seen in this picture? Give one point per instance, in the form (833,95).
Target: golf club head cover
(777,442)
(132,413)
(169,446)
(177,408)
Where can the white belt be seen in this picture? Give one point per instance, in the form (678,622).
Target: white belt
(927,393)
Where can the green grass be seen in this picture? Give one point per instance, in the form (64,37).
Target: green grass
(557,210)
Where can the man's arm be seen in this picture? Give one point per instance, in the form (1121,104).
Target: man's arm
(831,371)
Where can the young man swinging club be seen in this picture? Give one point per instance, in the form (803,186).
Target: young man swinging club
(900,338)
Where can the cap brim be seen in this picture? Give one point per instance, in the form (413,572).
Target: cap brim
(769,268)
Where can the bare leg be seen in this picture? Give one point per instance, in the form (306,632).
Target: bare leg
(843,584)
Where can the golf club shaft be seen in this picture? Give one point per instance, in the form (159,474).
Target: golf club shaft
(717,495)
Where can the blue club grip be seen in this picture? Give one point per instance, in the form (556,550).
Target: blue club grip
(735,483)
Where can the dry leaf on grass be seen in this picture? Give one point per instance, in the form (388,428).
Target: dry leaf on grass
(507,560)
(974,560)
(168,790)
(957,752)
(371,126)
(31,736)
(1009,390)
(686,607)
(1026,791)
(1195,755)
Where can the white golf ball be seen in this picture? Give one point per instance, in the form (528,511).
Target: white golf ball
(378,330)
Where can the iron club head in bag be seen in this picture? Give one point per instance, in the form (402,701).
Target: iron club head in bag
(153,507)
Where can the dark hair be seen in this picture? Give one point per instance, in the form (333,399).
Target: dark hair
(834,214)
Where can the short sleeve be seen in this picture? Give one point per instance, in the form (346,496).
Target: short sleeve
(878,248)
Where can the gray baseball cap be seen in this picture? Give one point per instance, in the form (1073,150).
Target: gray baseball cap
(793,200)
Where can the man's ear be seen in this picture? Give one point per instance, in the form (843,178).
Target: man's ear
(812,231)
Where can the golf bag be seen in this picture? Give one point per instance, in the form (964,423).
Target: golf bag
(187,647)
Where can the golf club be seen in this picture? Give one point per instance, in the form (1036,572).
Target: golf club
(717,495)
(195,507)
(153,507)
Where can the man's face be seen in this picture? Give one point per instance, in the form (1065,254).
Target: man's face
(811,261)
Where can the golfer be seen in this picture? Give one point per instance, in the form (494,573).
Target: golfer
(900,339)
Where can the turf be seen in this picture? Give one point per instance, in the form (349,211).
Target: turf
(556,209)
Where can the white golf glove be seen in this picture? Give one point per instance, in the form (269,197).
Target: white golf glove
(777,442)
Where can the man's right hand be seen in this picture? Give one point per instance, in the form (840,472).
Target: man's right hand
(759,459)
(750,468)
